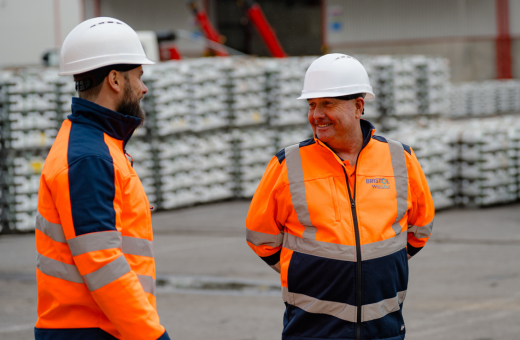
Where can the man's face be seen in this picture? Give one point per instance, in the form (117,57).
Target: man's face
(133,91)
(333,119)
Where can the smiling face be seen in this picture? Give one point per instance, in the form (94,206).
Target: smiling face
(334,120)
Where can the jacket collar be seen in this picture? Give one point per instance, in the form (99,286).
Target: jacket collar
(114,124)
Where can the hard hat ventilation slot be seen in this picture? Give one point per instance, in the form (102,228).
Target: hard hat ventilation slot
(92,26)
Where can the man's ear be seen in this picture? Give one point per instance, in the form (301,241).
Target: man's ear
(360,105)
(114,81)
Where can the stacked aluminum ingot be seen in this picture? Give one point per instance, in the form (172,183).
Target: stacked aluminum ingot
(486,168)
(491,97)
(407,88)
(191,152)
(28,113)
(248,97)
(285,83)
(195,168)
(255,150)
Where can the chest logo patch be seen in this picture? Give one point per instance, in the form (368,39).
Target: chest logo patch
(378,183)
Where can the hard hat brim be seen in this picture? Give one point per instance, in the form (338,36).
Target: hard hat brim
(120,60)
(339,92)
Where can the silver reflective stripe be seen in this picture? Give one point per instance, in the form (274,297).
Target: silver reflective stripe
(383,248)
(54,231)
(421,232)
(54,268)
(94,241)
(344,311)
(106,274)
(262,239)
(380,309)
(309,304)
(401,181)
(319,248)
(137,246)
(293,162)
(344,252)
(148,283)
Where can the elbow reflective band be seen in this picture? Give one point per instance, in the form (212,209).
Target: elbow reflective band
(54,231)
(137,246)
(54,268)
(262,239)
(401,181)
(107,274)
(421,232)
(148,283)
(293,162)
(95,241)
(344,311)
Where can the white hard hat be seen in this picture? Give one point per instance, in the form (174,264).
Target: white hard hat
(99,42)
(336,75)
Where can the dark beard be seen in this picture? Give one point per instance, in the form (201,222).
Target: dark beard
(130,105)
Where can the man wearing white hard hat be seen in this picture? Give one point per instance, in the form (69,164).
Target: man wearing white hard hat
(95,264)
(339,215)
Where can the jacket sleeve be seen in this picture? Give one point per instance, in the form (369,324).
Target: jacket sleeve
(264,220)
(422,212)
(89,201)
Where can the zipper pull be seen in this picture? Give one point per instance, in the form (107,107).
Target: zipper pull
(352,203)
(131,159)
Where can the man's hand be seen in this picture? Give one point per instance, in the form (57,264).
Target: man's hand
(277,267)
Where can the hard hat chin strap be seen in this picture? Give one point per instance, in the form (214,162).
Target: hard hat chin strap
(87,80)
(353,96)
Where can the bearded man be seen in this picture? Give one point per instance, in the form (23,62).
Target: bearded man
(96,271)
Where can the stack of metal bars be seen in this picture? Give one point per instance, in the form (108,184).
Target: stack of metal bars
(29,126)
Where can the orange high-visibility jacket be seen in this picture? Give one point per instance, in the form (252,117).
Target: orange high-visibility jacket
(95,263)
(342,250)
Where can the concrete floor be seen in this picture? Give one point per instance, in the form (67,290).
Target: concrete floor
(464,285)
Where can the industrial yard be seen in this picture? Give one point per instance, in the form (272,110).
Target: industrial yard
(227,89)
(463,284)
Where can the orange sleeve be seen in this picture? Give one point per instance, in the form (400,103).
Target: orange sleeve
(422,212)
(264,223)
(90,211)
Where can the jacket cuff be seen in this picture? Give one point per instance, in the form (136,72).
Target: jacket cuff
(412,250)
(272,259)
(164,336)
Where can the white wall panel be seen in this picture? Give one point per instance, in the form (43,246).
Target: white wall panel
(155,15)
(350,21)
(27,28)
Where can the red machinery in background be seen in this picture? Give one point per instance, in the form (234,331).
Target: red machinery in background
(257,17)
(209,31)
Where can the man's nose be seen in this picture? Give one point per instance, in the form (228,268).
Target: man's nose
(318,113)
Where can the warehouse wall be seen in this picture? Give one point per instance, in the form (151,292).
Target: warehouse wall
(28,28)
(462,31)
(156,15)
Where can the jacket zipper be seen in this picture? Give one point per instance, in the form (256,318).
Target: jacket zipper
(358,247)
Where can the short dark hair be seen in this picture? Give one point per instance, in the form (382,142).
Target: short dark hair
(89,84)
(90,93)
(352,96)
